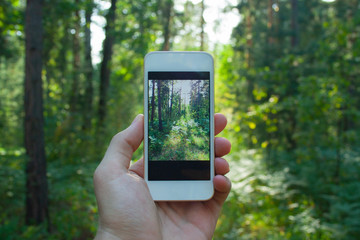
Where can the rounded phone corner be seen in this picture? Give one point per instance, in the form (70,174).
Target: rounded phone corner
(149,54)
(209,55)
(210,196)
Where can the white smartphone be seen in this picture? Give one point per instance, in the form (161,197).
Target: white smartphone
(179,125)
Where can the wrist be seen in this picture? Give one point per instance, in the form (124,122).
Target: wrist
(108,234)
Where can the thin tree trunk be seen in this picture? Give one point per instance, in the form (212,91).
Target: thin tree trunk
(167,13)
(197,96)
(74,95)
(167,101)
(88,68)
(249,42)
(278,39)
(294,23)
(49,43)
(159,104)
(338,161)
(270,22)
(202,23)
(152,102)
(36,182)
(180,102)
(248,54)
(62,60)
(293,85)
(105,65)
(172,97)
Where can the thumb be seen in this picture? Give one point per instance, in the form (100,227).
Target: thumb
(124,144)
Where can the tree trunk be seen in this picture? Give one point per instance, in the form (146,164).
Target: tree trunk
(167,14)
(180,102)
(105,65)
(199,96)
(249,42)
(172,97)
(152,102)
(248,53)
(294,23)
(88,98)
(74,94)
(62,59)
(270,22)
(159,104)
(338,161)
(36,182)
(167,101)
(202,24)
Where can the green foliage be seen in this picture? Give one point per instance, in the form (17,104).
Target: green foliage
(269,205)
(11,28)
(288,84)
(73,210)
(293,96)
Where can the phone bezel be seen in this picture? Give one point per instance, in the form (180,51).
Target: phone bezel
(182,190)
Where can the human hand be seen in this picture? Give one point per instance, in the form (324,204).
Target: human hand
(126,208)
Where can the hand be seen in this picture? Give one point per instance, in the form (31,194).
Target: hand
(126,208)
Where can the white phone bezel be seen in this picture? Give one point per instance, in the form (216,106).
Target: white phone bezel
(197,190)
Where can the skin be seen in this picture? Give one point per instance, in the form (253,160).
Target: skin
(126,209)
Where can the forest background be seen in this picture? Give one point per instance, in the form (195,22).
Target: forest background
(288,83)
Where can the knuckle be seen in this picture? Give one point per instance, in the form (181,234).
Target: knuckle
(117,138)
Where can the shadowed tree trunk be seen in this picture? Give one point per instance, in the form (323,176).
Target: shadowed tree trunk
(180,102)
(74,94)
(167,104)
(172,97)
(270,22)
(202,24)
(88,68)
(62,59)
(294,23)
(36,182)
(294,84)
(249,30)
(249,48)
(159,104)
(152,103)
(167,14)
(105,65)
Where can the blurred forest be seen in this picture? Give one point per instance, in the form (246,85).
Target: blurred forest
(288,82)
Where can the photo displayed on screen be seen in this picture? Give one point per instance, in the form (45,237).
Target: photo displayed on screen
(179,123)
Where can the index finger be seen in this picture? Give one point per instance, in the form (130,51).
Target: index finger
(220,122)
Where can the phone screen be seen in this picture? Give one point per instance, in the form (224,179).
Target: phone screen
(179,125)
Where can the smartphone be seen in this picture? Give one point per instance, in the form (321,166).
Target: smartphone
(179,125)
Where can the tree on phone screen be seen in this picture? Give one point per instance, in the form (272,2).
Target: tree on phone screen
(180,131)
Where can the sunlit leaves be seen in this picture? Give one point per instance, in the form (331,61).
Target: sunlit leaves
(298,104)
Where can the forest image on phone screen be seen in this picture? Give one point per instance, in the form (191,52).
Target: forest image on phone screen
(179,124)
